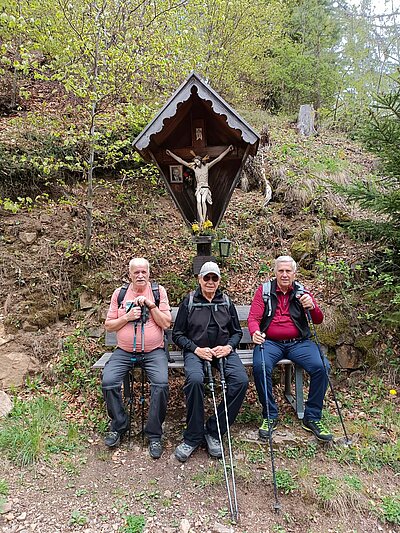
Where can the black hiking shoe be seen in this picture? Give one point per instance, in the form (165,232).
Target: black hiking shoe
(184,451)
(155,449)
(263,429)
(112,439)
(319,430)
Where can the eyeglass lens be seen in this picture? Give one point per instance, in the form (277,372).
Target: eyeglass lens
(213,277)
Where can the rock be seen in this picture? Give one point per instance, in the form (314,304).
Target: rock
(96,333)
(356,376)
(14,366)
(27,326)
(28,237)
(6,508)
(5,404)
(348,356)
(45,218)
(86,300)
(168,494)
(4,338)
(184,526)
(21,517)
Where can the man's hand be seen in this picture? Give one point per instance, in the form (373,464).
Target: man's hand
(306,301)
(221,351)
(133,314)
(258,337)
(204,353)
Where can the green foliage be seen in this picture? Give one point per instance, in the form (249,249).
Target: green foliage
(35,429)
(285,481)
(390,509)
(78,519)
(134,524)
(4,489)
(327,489)
(74,369)
(212,475)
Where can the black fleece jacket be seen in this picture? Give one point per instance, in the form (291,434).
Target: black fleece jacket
(190,329)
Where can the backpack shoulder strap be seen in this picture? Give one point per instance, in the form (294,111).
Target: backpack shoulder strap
(155,287)
(190,303)
(121,294)
(266,296)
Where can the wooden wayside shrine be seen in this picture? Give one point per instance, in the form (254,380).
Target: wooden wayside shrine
(196,121)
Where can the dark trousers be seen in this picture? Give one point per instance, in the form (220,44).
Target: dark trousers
(236,381)
(155,364)
(304,353)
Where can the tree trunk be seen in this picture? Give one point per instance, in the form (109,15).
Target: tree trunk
(305,123)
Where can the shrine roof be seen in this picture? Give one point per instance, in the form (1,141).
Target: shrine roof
(152,134)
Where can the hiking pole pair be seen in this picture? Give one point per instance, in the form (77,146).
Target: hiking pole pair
(277,505)
(348,441)
(231,491)
(134,360)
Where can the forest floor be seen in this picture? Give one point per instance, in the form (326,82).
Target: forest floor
(322,488)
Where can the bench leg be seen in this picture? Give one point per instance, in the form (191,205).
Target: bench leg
(296,402)
(298,383)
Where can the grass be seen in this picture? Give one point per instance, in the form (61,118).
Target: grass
(35,429)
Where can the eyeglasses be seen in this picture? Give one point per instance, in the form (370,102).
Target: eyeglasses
(213,277)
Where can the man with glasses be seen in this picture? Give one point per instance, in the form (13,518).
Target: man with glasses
(207,328)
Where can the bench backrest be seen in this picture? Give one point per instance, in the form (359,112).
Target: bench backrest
(242,311)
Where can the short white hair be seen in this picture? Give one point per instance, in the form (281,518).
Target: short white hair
(284,259)
(138,261)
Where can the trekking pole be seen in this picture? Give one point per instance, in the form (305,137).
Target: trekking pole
(228,434)
(277,505)
(314,331)
(132,382)
(207,365)
(142,399)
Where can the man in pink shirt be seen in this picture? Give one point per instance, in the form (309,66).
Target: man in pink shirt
(281,331)
(126,321)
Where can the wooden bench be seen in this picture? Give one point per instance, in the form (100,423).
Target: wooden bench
(245,352)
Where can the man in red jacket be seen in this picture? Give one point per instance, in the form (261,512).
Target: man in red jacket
(281,326)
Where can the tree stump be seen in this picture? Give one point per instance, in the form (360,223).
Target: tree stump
(305,123)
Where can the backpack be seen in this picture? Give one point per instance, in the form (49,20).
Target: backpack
(266,294)
(191,304)
(154,287)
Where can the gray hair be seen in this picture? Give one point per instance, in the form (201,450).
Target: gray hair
(284,259)
(138,261)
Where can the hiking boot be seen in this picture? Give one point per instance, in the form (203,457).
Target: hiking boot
(213,446)
(184,451)
(263,429)
(112,439)
(155,449)
(318,428)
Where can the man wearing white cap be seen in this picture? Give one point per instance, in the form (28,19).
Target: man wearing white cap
(207,328)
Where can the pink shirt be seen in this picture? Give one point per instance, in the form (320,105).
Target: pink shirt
(153,334)
(281,326)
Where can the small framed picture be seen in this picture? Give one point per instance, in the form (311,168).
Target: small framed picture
(176,173)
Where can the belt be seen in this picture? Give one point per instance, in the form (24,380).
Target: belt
(287,341)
